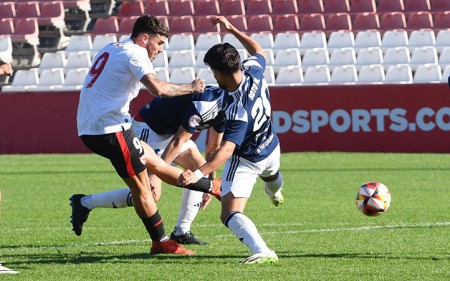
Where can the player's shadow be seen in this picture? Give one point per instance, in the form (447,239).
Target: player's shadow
(392,256)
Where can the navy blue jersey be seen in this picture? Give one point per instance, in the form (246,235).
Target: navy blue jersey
(248,112)
(194,112)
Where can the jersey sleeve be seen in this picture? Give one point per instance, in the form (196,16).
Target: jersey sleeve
(255,65)
(191,120)
(140,64)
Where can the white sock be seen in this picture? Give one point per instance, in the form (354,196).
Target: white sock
(246,231)
(118,198)
(276,184)
(190,204)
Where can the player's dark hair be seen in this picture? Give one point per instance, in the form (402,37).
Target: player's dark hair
(223,58)
(149,24)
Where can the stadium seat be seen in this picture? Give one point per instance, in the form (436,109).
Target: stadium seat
(50,80)
(419,20)
(28,10)
(442,20)
(207,75)
(7,10)
(258,23)
(130,9)
(232,7)
(311,22)
(446,74)
(203,25)
(342,56)
(341,39)
(6,26)
(284,40)
(344,74)
(366,21)
(157,8)
(26,30)
(182,75)
(394,38)
(424,55)
(74,79)
(287,22)
(310,40)
(393,20)
(239,21)
(206,7)
(206,40)
(101,41)
(369,38)
(287,57)
(81,59)
(181,8)
(399,74)
(316,56)
(281,7)
(428,73)
(52,15)
(53,60)
(442,39)
(270,57)
(161,60)
(336,6)
(269,75)
(182,24)
(258,7)
(417,5)
(396,55)
(23,81)
(371,74)
(106,26)
(310,6)
(339,21)
(440,5)
(126,26)
(179,42)
(6,49)
(363,6)
(183,58)
(420,38)
(318,75)
(368,56)
(162,74)
(289,76)
(265,39)
(79,43)
(387,6)
(231,39)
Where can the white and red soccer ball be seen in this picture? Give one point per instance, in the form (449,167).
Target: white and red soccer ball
(373,198)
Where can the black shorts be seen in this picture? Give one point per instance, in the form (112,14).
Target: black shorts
(123,149)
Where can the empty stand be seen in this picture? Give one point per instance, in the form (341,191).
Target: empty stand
(53,60)
(284,40)
(287,57)
(396,55)
(339,21)
(7,10)
(28,10)
(130,9)
(161,60)
(24,81)
(366,21)
(423,55)
(442,39)
(310,6)
(394,38)
(81,59)
(371,74)
(6,49)
(319,74)
(206,7)
(419,20)
(442,20)
(184,58)
(79,43)
(181,8)
(207,75)
(207,40)
(440,5)
(345,74)
(363,6)
(336,6)
(182,24)
(26,30)
(52,15)
(341,39)
(420,38)
(316,56)
(287,22)
(385,6)
(446,74)
(428,73)
(182,75)
(239,21)
(393,20)
(311,22)
(369,38)
(259,23)
(270,57)
(444,57)
(258,7)
(310,40)
(50,80)
(74,79)
(203,25)
(269,75)
(342,56)
(289,75)
(126,25)
(6,26)
(229,38)
(417,5)
(157,8)
(232,7)
(368,56)
(399,74)
(178,42)
(265,39)
(280,7)
(106,25)
(162,74)
(101,41)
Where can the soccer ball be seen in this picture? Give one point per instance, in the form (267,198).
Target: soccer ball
(373,198)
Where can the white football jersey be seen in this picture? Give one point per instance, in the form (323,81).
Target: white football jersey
(109,87)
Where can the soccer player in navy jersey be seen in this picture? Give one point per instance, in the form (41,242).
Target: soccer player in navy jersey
(250,148)
(171,123)
(104,122)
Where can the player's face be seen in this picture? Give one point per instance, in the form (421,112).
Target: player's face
(155,45)
(218,77)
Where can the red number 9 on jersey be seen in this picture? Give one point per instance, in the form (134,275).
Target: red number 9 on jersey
(97,68)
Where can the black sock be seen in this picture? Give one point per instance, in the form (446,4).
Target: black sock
(203,185)
(155,227)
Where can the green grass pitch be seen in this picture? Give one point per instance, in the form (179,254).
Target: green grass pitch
(318,233)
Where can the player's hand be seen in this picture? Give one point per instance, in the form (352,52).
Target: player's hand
(206,199)
(155,186)
(198,85)
(6,69)
(187,177)
(222,21)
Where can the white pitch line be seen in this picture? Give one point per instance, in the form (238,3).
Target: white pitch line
(319,230)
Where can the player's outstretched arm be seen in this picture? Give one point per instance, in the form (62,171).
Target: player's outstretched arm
(166,89)
(173,148)
(213,144)
(249,43)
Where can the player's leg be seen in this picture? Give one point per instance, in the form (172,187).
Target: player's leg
(273,178)
(189,158)
(237,185)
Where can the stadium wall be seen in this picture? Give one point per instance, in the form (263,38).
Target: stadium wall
(375,118)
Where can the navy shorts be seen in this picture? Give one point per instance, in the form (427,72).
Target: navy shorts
(123,149)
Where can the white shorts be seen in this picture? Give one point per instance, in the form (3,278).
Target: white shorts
(157,142)
(239,175)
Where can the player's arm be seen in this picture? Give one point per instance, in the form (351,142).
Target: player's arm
(5,69)
(249,43)
(213,144)
(175,144)
(161,88)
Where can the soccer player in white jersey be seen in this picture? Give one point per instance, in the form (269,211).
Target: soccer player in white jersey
(104,122)
(171,123)
(250,148)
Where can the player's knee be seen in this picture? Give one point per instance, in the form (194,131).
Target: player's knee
(274,182)
(226,217)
